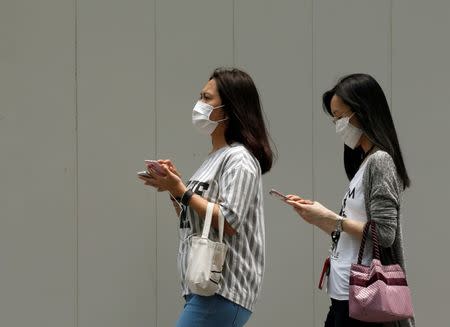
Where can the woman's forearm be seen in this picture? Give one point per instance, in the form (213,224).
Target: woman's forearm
(199,204)
(353,227)
(349,226)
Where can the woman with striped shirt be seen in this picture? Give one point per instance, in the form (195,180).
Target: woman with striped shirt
(229,111)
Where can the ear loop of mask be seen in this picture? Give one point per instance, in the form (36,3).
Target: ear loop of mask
(221,106)
(348,118)
(220,120)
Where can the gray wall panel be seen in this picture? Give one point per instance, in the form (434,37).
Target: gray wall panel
(421,48)
(37,175)
(117,224)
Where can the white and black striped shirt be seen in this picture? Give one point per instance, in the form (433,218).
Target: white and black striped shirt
(231,177)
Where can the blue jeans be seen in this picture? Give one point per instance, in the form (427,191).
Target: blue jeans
(208,311)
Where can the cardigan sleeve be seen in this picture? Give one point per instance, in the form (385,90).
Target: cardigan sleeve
(384,187)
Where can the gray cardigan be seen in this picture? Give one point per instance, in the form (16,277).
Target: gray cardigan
(383,190)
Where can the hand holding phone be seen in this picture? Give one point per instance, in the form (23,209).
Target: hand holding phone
(156,166)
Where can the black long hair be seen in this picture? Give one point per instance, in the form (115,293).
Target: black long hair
(363,94)
(245,117)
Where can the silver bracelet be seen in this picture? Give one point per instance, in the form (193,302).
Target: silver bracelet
(339,225)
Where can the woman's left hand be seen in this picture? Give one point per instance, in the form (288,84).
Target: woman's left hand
(170,182)
(311,211)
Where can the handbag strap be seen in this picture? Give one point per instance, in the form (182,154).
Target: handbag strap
(369,227)
(208,219)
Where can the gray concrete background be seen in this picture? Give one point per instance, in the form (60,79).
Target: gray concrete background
(89,89)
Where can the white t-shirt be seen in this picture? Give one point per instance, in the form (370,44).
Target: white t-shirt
(347,249)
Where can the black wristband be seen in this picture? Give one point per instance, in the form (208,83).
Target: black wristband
(187,197)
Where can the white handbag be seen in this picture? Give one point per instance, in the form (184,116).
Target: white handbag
(206,258)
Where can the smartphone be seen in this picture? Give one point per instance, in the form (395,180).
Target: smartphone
(278,195)
(143,173)
(153,164)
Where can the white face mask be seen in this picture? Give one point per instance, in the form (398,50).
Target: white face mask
(200,118)
(349,133)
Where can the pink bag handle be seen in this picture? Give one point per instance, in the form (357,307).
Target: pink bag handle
(376,249)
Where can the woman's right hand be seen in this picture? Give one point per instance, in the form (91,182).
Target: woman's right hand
(296,198)
(301,206)
(169,165)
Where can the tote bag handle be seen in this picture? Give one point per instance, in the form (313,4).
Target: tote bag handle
(208,220)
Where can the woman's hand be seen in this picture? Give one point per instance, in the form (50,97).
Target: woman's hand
(171,181)
(316,214)
(170,165)
(311,211)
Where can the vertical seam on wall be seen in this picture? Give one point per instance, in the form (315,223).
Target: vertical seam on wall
(234,31)
(313,149)
(156,153)
(76,259)
(391,51)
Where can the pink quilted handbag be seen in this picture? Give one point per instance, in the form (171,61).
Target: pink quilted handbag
(378,293)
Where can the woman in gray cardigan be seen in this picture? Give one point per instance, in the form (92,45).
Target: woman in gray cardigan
(374,165)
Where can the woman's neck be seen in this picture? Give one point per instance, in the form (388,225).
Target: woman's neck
(366,144)
(218,140)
